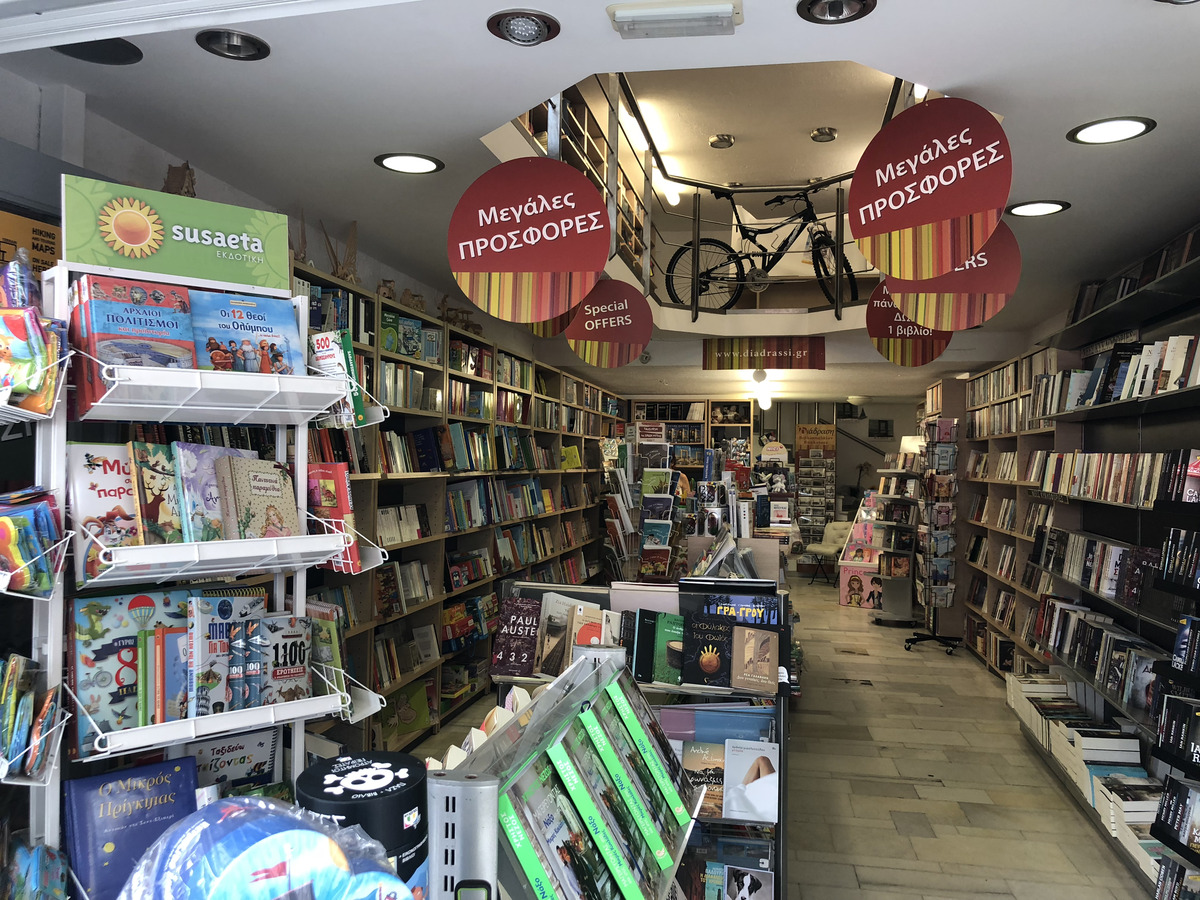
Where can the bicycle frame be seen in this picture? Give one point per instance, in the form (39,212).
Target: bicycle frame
(800,221)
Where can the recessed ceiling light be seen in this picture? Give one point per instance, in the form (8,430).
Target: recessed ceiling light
(1038,208)
(523,27)
(410,163)
(107,52)
(233,44)
(1112,130)
(824,134)
(834,12)
(1177,2)
(720,141)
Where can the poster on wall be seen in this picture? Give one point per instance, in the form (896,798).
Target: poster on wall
(970,295)
(528,239)
(764,353)
(612,326)
(900,340)
(149,231)
(41,240)
(930,188)
(816,441)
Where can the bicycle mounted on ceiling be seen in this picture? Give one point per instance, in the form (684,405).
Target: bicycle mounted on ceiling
(725,272)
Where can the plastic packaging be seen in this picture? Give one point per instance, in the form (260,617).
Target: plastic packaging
(252,848)
(19,287)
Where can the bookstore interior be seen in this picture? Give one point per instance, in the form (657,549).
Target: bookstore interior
(268,533)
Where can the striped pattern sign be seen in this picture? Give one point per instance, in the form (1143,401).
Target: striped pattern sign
(765,353)
(950,312)
(900,340)
(526,296)
(551,327)
(926,251)
(911,352)
(604,354)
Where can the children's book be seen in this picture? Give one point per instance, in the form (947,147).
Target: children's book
(196,488)
(755,659)
(231,762)
(255,654)
(236,681)
(287,644)
(389,331)
(330,499)
(257,499)
(145,677)
(239,333)
(157,509)
(103,504)
(751,787)
(209,621)
(412,342)
(707,645)
(135,323)
(171,687)
(23,353)
(407,711)
(704,763)
(104,842)
(326,643)
(656,533)
(668,648)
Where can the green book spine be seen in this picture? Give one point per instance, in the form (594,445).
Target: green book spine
(653,762)
(543,887)
(613,857)
(668,644)
(356,396)
(620,778)
(143,678)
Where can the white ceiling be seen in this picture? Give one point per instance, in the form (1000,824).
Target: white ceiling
(300,129)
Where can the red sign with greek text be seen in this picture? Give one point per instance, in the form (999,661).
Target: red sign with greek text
(968,296)
(528,239)
(898,339)
(612,326)
(930,188)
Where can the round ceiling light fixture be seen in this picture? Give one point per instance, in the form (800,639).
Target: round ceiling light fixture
(523,27)
(233,44)
(834,12)
(823,134)
(1112,130)
(760,375)
(1034,208)
(410,163)
(720,141)
(108,52)
(1177,2)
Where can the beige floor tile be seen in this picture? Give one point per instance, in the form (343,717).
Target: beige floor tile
(882,877)
(823,873)
(954,794)
(871,843)
(999,852)
(915,737)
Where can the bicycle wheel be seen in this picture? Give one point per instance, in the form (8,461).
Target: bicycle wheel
(824,252)
(722,277)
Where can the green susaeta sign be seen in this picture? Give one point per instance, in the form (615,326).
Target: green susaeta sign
(131,228)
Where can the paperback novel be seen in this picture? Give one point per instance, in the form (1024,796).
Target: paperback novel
(755,660)
(516,639)
(707,645)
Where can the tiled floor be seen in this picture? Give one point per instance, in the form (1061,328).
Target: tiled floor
(910,779)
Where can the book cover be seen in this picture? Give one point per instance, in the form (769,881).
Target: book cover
(286,675)
(749,884)
(158,509)
(330,499)
(704,763)
(103,504)
(554,635)
(411,341)
(389,331)
(668,648)
(587,627)
(751,786)
(136,323)
(171,690)
(707,645)
(755,660)
(647,737)
(210,619)
(431,339)
(237,760)
(145,678)
(643,645)
(655,562)
(236,678)
(252,674)
(530,855)
(102,655)
(257,499)
(255,334)
(407,711)
(196,488)
(112,818)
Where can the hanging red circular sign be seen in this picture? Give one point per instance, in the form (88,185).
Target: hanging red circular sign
(528,239)
(930,188)
(612,326)
(900,340)
(968,296)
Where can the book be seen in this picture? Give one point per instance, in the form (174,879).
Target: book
(236,679)
(257,499)
(256,334)
(157,509)
(554,635)
(331,500)
(704,762)
(103,504)
(407,711)
(755,660)
(654,751)
(531,855)
(668,648)
(171,661)
(286,648)
(112,818)
(707,645)
(196,488)
(751,785)
(210,619)
(749,884)
(389,331)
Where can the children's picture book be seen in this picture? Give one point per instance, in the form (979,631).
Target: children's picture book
(411,341)
(704,763)
(158,509)
(668,648)
(330,499)
(196,488)
(135,323)
(751,788)
(171,687)
(244,759)
(210,619)
(755,660)
(407,711)
(655,562)
(240,333)
(103,504)
(253,671)
(656,481)
(517,636)
(257,499)
(287,646)
(852,583)
(104,846)
(326,644)
(389,331)
(658,506)
(656,533)
(707,644)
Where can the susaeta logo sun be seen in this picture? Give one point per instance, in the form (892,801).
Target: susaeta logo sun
(131,228)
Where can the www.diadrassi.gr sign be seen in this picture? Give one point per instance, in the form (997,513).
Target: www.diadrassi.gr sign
(132,228)
(765,353)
